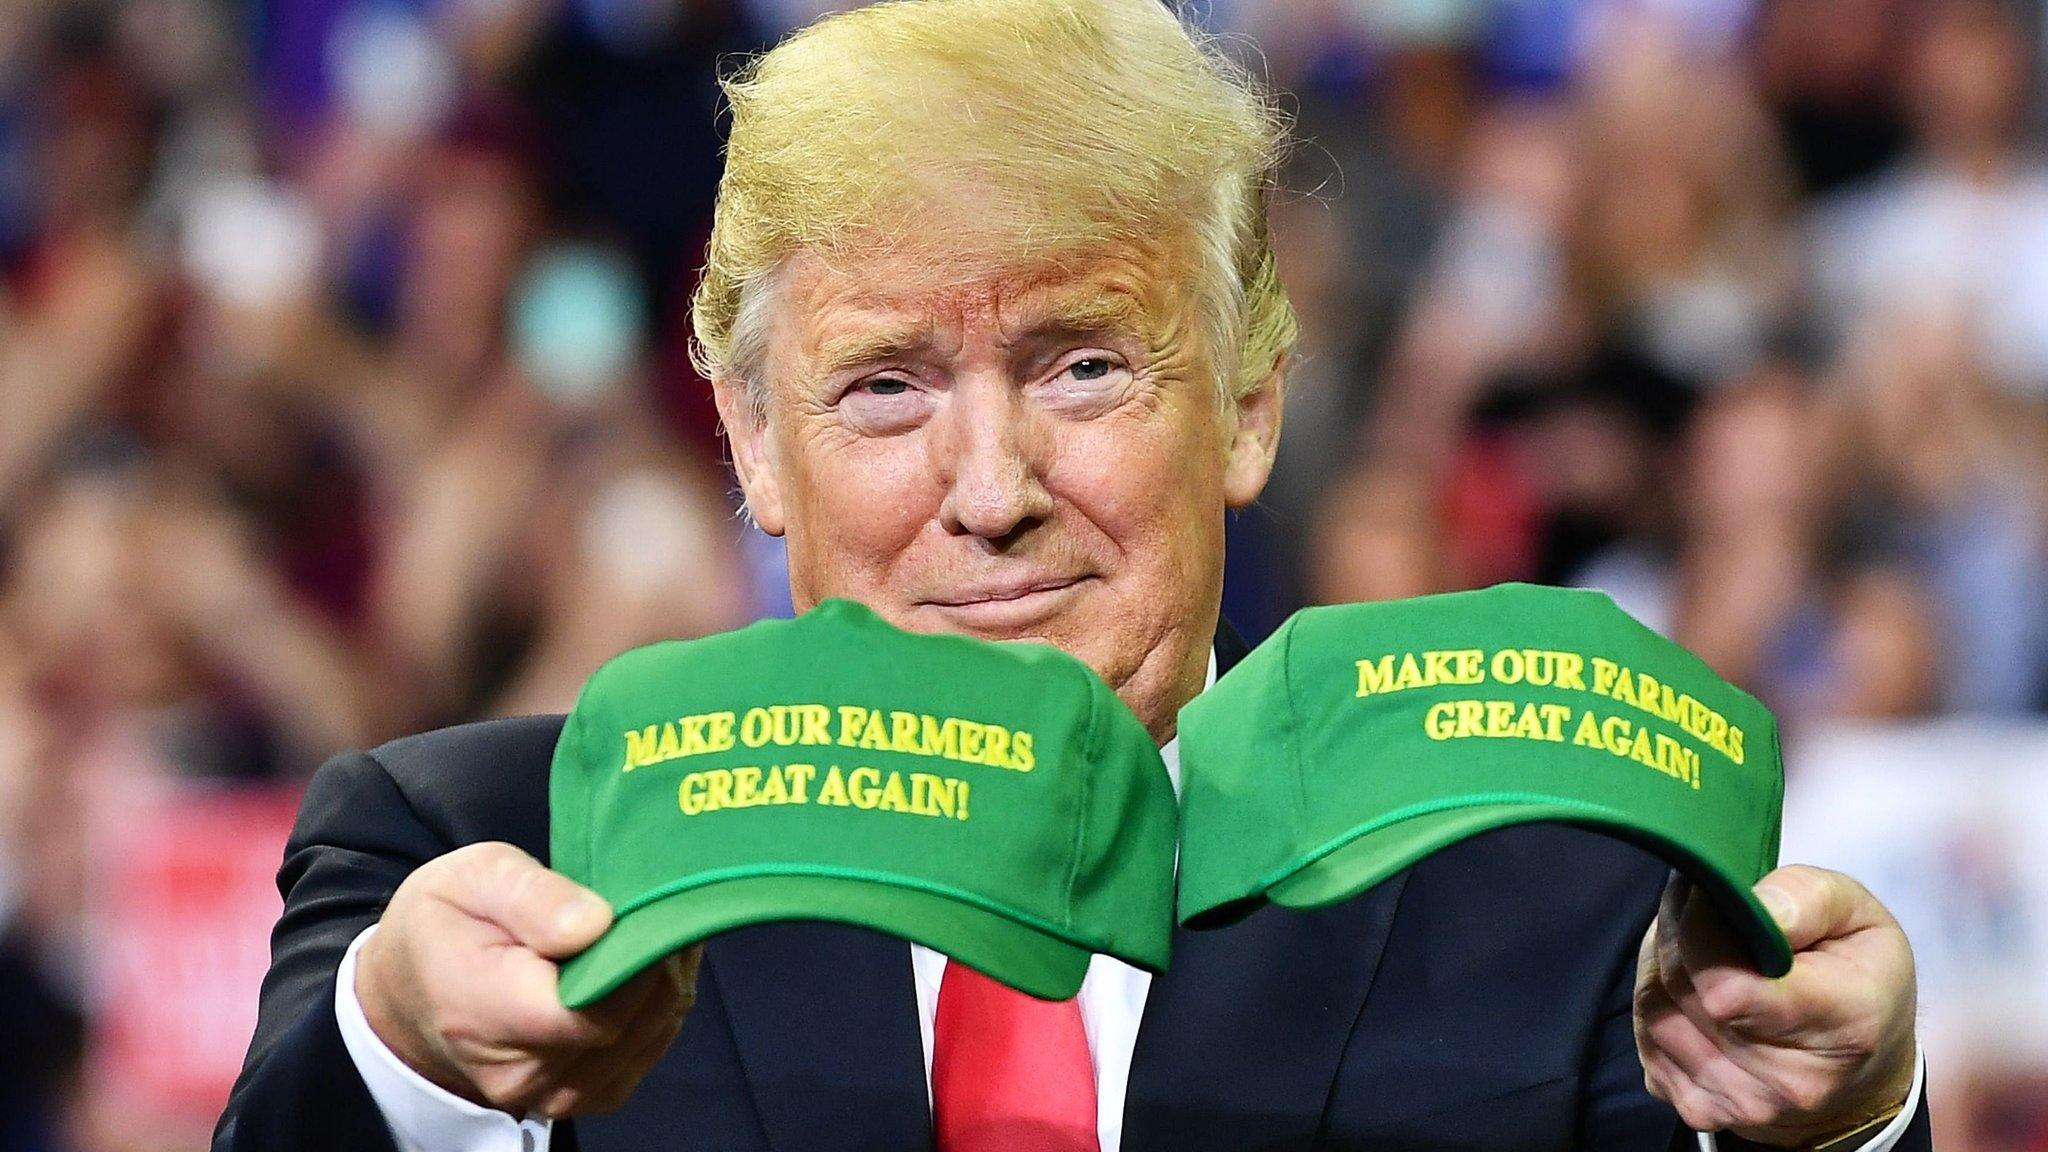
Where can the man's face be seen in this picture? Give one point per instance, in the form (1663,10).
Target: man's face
(1031,455)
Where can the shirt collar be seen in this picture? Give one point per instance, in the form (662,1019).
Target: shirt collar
(1171,751)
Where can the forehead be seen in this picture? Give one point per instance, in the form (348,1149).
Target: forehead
(846,309)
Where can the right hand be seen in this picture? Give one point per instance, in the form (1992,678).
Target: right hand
(458,981)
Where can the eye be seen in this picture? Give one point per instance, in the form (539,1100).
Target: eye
(1089,382)
(885,404)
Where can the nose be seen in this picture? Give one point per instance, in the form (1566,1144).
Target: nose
(990,459)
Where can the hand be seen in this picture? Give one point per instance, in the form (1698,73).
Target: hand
(459,982)
(1786,1061)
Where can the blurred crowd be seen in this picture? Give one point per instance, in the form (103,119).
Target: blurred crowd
(344,391)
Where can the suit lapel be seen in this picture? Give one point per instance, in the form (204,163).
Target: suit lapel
(1230,647)
(1243,1034)
(826,1021)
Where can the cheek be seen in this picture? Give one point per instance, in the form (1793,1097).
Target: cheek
(853,507)
(1153,485)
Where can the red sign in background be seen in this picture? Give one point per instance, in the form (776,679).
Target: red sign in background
(184,907)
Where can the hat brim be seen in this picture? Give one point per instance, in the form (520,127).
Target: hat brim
(1026,958)
(1352,865)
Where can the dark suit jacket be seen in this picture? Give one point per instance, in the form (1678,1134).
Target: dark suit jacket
(1479,1000)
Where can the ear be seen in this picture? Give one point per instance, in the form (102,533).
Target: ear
(1248,461)
(746,430)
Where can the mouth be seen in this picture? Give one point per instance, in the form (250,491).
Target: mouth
(1004,593)
(1007,605)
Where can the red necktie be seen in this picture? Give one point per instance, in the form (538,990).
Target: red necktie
(1010,1073)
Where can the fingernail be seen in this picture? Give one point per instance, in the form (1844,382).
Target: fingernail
(1779,904)
(580,913)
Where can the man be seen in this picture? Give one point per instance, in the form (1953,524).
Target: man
(995,331)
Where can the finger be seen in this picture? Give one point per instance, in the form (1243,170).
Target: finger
(549,1055)
(1833,981)
(1814,905)
(1754,1044)
(1661,1027)
(1663,1080)
(650,994)
(1661,1022)
(1698,1109)
(517,1002)
(1722,1019)
(538,908)
(1673,977)
(599,1080)
(657,996)
(1720,987)
(685,965)
(604,1081)
(1691,1064)
(1704,940)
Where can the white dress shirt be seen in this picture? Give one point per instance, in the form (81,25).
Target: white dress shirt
(424,1117)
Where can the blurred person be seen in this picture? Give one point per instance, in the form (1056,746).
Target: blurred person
(1960,224)
(630,545)
(1949,470)
(426,412)
(641,68)
(66,344)
(1597,449)
(150,618)
(78,298)
(1611,258)
(478,598)
(991,376)
(144,642)
(1561,477)
(653,547)
(1761,593)
(1679,244)
(645,70)
(1643,215)
(419,245)
(1493,298)
(1378,536)
(41,1017)
(144,645)
(1317,253)
(1829,70)
(472,215)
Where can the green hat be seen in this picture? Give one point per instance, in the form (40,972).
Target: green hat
(996,802)
(1361,738)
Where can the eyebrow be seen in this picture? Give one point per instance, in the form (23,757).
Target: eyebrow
(1091,314)
(1094,314)
(871,347)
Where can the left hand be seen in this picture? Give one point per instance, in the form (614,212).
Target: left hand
(1784,1061)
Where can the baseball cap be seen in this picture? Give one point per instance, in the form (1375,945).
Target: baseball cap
(1360,738)
(996,802)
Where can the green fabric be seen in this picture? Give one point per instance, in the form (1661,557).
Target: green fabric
(1361,738)
(996,802)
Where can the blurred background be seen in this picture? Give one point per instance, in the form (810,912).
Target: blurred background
(343,394)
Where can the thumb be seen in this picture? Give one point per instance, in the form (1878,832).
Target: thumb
(539,908)
(1814,904)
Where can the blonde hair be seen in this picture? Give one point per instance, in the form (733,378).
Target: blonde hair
(1069,124)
